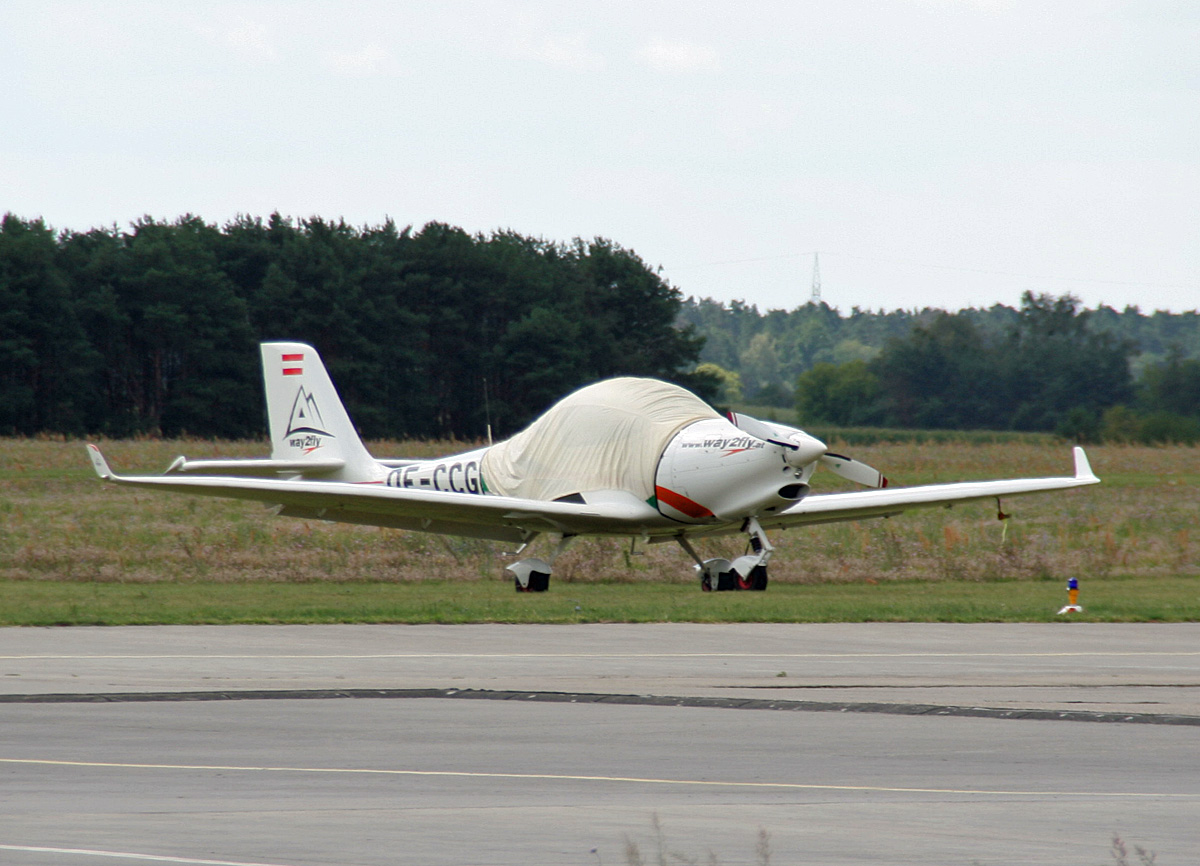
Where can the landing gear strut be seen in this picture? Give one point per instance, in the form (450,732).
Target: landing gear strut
(533,575)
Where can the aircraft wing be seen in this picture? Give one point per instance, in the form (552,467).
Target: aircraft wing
(499,518)
(511,519)
(863,504)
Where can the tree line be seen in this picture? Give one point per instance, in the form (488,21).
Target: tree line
(1050,365)
(153,330)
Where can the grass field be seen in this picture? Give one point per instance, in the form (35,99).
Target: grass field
(47,603)
(74,550)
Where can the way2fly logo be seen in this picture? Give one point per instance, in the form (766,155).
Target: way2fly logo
(730,445)
(305,425)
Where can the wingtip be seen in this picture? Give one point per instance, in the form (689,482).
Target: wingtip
(1083,469)
(98,462)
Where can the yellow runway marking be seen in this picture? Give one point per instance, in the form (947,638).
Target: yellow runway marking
(126,855)
(602,655)
(635,780)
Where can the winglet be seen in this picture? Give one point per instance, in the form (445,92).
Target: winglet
(1083,469)
(99,463)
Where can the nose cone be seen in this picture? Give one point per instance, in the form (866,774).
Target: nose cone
(808,448)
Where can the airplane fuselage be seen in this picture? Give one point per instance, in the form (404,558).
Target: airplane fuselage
(709,472)
(459,473)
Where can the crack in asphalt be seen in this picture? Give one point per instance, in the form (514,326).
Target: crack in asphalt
(899,709)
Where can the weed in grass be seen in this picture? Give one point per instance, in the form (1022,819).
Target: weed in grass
(663,855)
(1120,853)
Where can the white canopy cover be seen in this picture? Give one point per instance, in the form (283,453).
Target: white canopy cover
(606,436)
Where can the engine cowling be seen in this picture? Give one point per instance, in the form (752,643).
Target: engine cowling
(712,472)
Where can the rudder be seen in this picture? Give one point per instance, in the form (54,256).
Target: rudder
(305,414)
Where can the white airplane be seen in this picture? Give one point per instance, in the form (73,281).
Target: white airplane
(633,458)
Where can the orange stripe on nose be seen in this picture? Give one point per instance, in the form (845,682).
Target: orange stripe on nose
(681,503)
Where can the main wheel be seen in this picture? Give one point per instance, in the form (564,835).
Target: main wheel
(539,581)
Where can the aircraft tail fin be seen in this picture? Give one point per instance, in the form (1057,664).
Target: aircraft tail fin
(308,423)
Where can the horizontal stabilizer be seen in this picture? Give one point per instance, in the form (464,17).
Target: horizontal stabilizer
(254,468)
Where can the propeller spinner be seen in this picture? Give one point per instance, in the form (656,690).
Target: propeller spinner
(804,449)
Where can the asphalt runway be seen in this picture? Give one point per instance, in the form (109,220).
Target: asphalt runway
(363,745)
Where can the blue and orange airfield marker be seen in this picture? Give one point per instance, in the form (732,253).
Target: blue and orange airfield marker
(1072,597)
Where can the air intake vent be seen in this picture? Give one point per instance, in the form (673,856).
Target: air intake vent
(793,491)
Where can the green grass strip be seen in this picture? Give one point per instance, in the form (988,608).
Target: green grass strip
(47,603)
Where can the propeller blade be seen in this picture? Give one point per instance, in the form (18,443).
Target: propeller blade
(757,429)
(853,470)
(805,449)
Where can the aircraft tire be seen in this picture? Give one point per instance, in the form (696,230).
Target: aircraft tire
(758,578)
(726,581)
(539,581)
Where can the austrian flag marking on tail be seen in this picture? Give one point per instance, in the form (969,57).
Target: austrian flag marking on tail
(293,359)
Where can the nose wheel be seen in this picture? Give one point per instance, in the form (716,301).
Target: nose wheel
(755,580)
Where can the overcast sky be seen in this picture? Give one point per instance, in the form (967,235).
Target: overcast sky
(934,153)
